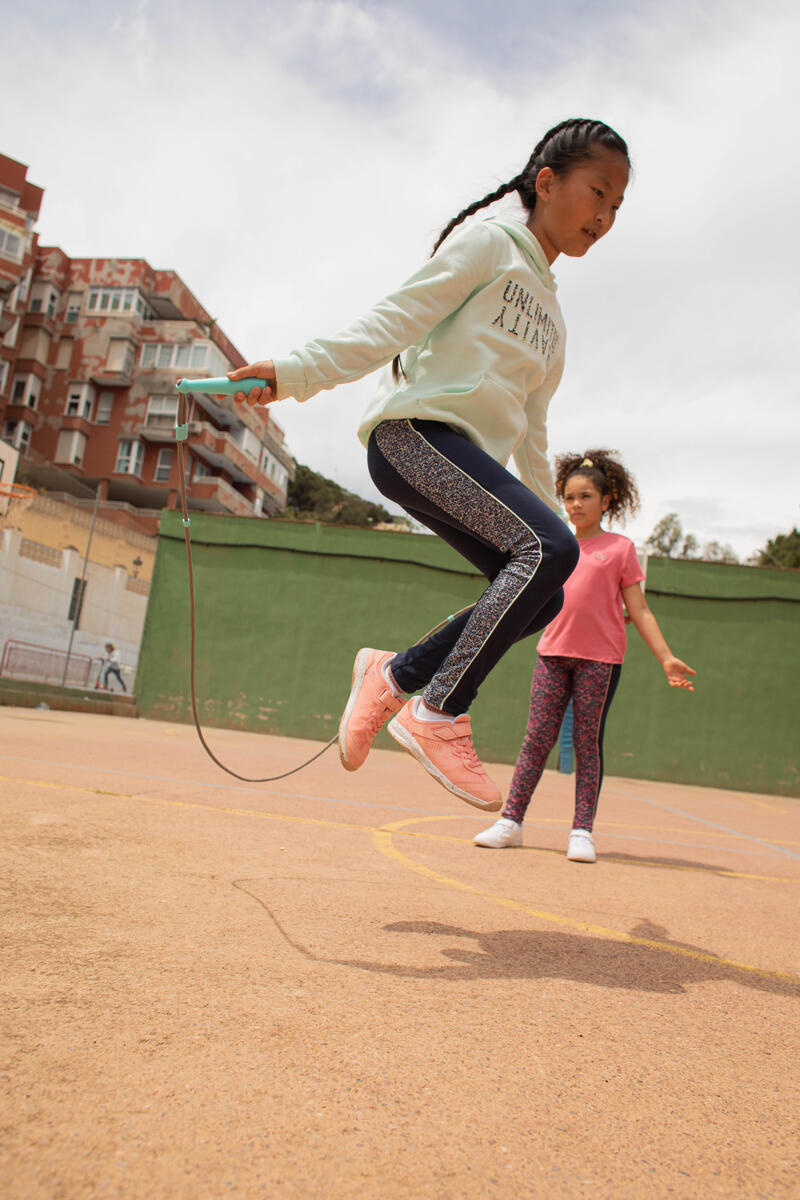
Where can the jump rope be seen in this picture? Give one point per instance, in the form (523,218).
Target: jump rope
(227,387)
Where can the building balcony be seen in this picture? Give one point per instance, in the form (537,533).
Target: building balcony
(79,423)
(215,494)
(220,451)
(111,379)
(7,319)
(23,412)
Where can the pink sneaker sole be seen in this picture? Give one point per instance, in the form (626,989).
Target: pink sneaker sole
(406,739)
(364,659)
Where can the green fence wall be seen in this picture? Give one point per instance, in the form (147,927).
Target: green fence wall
(282,607)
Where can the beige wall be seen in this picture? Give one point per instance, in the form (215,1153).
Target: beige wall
(62,526)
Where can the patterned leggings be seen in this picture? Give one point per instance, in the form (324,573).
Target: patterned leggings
(523,548)
(591,686)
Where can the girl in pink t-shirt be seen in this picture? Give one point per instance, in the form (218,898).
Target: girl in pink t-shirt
(580,653)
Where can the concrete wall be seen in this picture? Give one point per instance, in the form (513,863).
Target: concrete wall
(36,583)
(283,607)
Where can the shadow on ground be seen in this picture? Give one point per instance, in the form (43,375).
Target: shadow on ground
(668,967)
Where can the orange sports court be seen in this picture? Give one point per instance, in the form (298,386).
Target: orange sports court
(320,987)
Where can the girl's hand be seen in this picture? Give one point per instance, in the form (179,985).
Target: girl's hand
(676,673)
(257,370)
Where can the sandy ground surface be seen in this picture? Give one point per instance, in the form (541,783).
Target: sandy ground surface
(321,988)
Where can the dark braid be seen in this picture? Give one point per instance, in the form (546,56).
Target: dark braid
(562,148)
(607,474)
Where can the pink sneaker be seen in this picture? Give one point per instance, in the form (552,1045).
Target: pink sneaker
(369,707)
(446,752)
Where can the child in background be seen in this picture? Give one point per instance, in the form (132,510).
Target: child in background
(482,338)
(580,653)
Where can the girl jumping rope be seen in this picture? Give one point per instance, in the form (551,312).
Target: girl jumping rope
(484,343)
(581,651)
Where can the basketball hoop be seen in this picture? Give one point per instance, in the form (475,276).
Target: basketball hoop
(15,497)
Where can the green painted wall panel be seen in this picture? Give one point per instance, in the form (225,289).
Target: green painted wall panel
(278,626)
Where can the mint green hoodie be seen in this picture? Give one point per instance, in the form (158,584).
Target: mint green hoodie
(484,338)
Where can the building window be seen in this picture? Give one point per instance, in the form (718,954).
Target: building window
(249,443)
(11,244)
(162,411)
(35,344)
(26,390)
(121,356)
(195,355)
(117,300)
(44,297)
(73,307)
(130,456)
(201,469)
(104,405)
(163,466)
(79,401)
(64,354)
(3,375)
(71,447)
(18,434)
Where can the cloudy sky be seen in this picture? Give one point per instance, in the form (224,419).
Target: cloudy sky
(293,160)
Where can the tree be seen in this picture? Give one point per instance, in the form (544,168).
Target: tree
(716,552)
(781,551)
(312,497)
(669,541)
(665,536)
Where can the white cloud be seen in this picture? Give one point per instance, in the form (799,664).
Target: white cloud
(294,161)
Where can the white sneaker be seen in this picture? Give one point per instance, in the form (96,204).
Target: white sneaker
(504,832)
(581,846)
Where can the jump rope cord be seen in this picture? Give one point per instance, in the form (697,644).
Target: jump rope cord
(181,433)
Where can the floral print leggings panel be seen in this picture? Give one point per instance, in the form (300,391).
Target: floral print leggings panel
(591,686)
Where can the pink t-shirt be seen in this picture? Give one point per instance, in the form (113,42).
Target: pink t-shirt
(591,624)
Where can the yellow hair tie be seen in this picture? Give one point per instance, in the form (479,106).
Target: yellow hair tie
(587,462)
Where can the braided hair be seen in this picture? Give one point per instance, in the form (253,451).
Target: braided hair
(607,474)
(562,147)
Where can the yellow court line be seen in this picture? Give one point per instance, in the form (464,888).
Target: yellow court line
(382,840)
(260,814)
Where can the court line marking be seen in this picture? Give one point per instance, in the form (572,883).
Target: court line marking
(382,839)
(542,822)
(260,814)
(677,812)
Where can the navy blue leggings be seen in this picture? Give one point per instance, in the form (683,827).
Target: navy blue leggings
(444,481)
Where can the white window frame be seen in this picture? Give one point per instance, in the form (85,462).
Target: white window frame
(130,457)
(164,465)
(162,412)
(128,357)
(196,356)
(3,374)
(71,447)
(18,434)
(105,403)
(80,401)
(12,244)
(74,302)
(31,390)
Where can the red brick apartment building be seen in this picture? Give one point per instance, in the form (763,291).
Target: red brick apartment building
(90,349)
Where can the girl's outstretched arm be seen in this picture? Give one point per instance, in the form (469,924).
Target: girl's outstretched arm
(675,670)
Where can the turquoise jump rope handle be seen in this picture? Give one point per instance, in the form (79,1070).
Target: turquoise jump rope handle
(221,386)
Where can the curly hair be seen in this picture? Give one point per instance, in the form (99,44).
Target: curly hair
(607,474)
